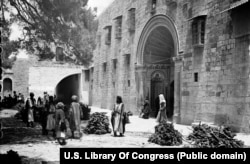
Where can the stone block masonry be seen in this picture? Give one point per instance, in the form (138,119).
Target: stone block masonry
(211,59)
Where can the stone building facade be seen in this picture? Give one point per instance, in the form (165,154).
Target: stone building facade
(55,77)
(194,52)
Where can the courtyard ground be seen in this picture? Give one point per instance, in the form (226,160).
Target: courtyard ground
(35,148)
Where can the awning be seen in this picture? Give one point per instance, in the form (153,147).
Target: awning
(203,13)
(235,4)
(106,27)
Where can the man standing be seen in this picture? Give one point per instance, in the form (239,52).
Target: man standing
(30,105)
(75,117)
(14,98)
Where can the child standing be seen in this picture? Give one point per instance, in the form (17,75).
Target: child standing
(60,124)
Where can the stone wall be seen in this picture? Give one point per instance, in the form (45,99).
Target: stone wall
(220,65)
(21,76)
(122,80)
(221,95)
(46,78)
(32,75)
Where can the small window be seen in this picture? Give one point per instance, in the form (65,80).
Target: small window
(127,59)
(153,6)
(198,31)
(59,54)
(87,75)
(1,72)
(114,64)
(128,83)
(104,67)
(132,20)
(196,77)
(113,84)
(108,35)
(118,27)
(0,36)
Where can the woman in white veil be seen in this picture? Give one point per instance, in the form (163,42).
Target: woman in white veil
(162,115)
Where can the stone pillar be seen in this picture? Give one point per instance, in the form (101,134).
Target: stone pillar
(177,92)
(140,77)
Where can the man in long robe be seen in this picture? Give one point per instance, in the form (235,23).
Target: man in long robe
(75,117)
(118,123)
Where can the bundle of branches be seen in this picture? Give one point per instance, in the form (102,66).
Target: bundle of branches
(205,136)
(165,134)
(98,124)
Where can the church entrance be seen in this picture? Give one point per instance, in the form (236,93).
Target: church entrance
(157,88)
(157,47)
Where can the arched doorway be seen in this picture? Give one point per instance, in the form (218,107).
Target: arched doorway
(7,86)
(157,87)
(67,87)
(157,46)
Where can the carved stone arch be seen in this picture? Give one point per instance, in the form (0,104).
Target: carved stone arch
(152,24)
(158,75)
(157,46)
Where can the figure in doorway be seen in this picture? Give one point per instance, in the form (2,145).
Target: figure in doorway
(162,116)
(145,109)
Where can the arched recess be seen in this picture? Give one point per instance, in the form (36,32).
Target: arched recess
(158,21)
(7,86)
(157,46)
(67,87)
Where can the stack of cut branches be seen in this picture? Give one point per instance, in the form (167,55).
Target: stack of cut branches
(165,134)
(98,124)
(205,136)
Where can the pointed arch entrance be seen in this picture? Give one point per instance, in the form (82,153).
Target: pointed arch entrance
(157,46)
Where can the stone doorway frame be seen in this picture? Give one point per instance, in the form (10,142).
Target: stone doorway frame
(141,69)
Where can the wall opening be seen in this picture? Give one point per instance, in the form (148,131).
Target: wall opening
(158,52)
(157,46)
(7,86)
(67,87)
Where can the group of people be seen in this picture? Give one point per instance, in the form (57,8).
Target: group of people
(65,121)
(53,116)
(119,117)
(160,107)
(11,100)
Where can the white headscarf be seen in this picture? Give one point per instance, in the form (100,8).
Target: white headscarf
(162,98)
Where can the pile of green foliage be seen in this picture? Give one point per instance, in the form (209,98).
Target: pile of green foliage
(98,124)
(166,135)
